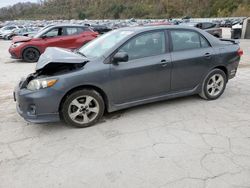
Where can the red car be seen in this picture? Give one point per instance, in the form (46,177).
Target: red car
(64,36)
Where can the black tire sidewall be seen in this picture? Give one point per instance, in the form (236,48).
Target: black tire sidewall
(213,72)
(64,111)
(35,58)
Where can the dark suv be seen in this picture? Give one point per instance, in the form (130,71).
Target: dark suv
(212,28)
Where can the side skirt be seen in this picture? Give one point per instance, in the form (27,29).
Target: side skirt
(116,107)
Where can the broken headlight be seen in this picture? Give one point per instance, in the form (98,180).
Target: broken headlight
(40,84)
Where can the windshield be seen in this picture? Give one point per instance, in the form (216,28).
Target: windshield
(42,31)
(39,33)
(103,44)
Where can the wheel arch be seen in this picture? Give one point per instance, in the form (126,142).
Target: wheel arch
(224,69)
(220,67)
(26,47)
(90,87)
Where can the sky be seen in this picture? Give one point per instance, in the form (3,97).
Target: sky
(4,3)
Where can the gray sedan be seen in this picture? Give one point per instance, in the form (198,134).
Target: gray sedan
(124,68)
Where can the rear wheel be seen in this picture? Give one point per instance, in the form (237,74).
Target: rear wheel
(31,55)
(214,85)
(83,108)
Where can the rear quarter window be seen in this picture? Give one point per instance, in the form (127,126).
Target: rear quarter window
(83,29)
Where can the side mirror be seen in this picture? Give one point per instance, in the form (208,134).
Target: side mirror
(44,37)
(120,57)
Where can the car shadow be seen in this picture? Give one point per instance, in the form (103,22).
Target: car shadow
(61,126)
(17,61)
(168,103)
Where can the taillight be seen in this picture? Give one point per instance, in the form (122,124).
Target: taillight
(240,52)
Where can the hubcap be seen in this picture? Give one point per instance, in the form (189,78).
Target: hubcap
(30,54)
(83,109)
(215,85)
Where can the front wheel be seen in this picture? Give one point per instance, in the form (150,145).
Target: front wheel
(31,55)
(83,108)
(214,85)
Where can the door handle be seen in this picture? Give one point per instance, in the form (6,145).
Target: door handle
(207,55)
(164,63)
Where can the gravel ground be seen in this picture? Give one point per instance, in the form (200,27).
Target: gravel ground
(181,143)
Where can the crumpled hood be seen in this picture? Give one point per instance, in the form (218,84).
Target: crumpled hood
(58,55)
(20,39)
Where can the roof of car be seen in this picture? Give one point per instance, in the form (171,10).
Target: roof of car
(157,27)
(68,25)
(139,29)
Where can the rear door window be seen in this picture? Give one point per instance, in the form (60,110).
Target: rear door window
(187,40)
(75,30)
(204,42)
(71,30)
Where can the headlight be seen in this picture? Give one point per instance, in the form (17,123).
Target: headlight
(16,44)
(40,84)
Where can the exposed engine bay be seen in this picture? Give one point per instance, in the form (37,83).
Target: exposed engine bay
(53,69)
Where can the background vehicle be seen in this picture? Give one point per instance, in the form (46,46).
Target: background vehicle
(101,29)
(8,30)
(210,27)
(21,32)
(64,36)
(159,23)
(236,30)
(125,68)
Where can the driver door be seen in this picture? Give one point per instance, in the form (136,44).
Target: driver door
(147,72)
(54,38)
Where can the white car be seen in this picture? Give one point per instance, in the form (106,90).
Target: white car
(238,26)
(8,29)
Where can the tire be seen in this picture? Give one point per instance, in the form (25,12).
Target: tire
(214,85)
(31,55)
(9,37)
(83,108)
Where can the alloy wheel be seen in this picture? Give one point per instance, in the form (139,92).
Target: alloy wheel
(215,85)
(83,109)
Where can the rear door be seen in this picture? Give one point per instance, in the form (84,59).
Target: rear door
(72,34)
(192,56)
(76,37)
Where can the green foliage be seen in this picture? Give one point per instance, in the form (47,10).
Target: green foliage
(81,15)
(120,9)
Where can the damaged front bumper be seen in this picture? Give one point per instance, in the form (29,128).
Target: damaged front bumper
(37,106)
(42,105)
